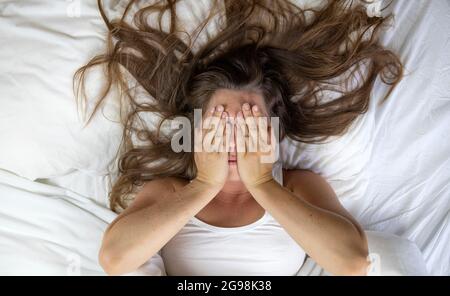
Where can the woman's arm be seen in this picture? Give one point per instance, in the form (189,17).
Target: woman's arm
(311,213)
(159,211)
(162,208)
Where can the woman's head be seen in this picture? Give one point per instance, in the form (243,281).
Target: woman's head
(313,69)
(232,101)
(246,74)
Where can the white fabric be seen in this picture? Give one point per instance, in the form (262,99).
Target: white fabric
(392,255)
(409,168)
(49,230)
(391,171)
(260,248)
(389,255)
(44,42)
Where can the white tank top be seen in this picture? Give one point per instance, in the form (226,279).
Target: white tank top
(260,248)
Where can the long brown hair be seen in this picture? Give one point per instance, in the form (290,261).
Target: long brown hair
(315,68)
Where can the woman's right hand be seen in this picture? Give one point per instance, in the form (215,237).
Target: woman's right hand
(212,159)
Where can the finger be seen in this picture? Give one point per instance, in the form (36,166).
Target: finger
(218,111)
(223,133)
(228,133)
(268,156)
(246,110)
(217,116)
(252,129)
(261,123)
(210,133)
(208,116)
(273,144)
(219,136)
(252,143)
(256,111)
(248,115)
(243,131)
(264,135)
(240,123)
(213,120)
(239,134)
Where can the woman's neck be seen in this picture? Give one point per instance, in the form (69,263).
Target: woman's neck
(233,191)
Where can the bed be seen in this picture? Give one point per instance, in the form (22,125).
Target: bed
(391,171)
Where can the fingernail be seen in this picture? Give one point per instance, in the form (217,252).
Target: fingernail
(212,110)
(255,108)
(220,108)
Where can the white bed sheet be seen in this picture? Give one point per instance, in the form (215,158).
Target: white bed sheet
(408,193)
(48,230)
(55,228)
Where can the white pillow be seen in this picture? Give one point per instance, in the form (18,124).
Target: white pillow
(341,161)
(44,42)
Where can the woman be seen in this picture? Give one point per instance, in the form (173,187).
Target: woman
(229,213)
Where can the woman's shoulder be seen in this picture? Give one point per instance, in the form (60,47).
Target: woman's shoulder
(177,182)
(155,189)
(152,190)
(294,176)
(166,183)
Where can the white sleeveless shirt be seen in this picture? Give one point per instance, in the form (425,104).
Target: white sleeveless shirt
(260,248)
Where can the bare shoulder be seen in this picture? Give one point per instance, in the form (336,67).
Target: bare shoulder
(294,178)
(154,190)
(160,187)
(314,189)
(310,186)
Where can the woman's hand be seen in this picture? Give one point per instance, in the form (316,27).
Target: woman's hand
(211,156)
(255,147)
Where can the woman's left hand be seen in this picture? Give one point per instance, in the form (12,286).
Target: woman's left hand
(255,147)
